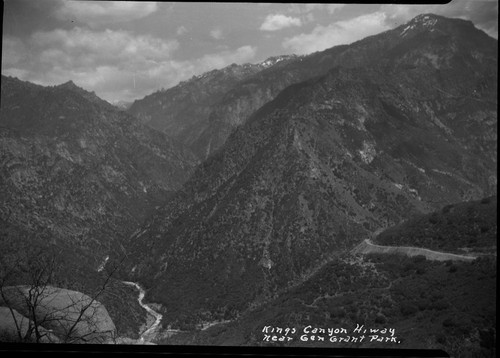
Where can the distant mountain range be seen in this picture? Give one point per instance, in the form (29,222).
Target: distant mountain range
(123,105)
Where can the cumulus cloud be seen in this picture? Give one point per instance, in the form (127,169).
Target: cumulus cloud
(278,22)
(217,34)
(81,47)
(218,60)
(116,64)
(14,51)
(181,30)
(307,8)
(340,32)
(102,12)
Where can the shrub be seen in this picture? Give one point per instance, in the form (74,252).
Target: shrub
(337,312)
(441,338)
(408,309)
(447,209)
(440,305)
(484,229)
(433,219)
(385,303)
(419,258)
(449,322)
(487,338)
(423,304)
(380,318)
(485,200)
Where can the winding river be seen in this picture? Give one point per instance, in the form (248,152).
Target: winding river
(149,334)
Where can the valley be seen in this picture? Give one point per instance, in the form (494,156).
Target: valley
(350,187)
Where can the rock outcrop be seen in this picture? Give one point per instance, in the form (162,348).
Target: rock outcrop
(70,316)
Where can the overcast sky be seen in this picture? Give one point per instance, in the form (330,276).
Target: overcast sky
(126,50)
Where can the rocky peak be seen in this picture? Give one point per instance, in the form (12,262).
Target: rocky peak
(69,85)
(434,23)
(271,61)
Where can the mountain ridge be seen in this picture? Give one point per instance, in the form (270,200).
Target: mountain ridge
(247,95)
(62,145)
(325,163)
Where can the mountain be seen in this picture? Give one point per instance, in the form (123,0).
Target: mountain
(123,105)
(78,177)
(185,111)
(236,99)
(430,304)
(401,125)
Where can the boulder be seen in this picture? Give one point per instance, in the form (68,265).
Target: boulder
(71,315)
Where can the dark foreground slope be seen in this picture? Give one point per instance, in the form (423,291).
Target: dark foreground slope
(77,178)
(430,304)
(326,163)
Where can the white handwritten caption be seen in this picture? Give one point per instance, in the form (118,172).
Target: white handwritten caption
(332,334)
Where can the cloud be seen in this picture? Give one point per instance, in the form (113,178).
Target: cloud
(307,8)
(84,47)
(116,64)
(218,60)
(217,34)
(278,22)
(340,32)
(102,12)
(181,30)
(14,51)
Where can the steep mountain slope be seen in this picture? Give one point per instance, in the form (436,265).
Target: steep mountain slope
(73,165)
(326,163)
(183,112)
(77,178)
(430,304)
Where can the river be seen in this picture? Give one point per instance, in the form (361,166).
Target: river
(149,334)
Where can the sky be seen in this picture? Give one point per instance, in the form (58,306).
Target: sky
(124,50)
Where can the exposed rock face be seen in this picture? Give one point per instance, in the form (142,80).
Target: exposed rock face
(325,163)
(59,311)
(78,169)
